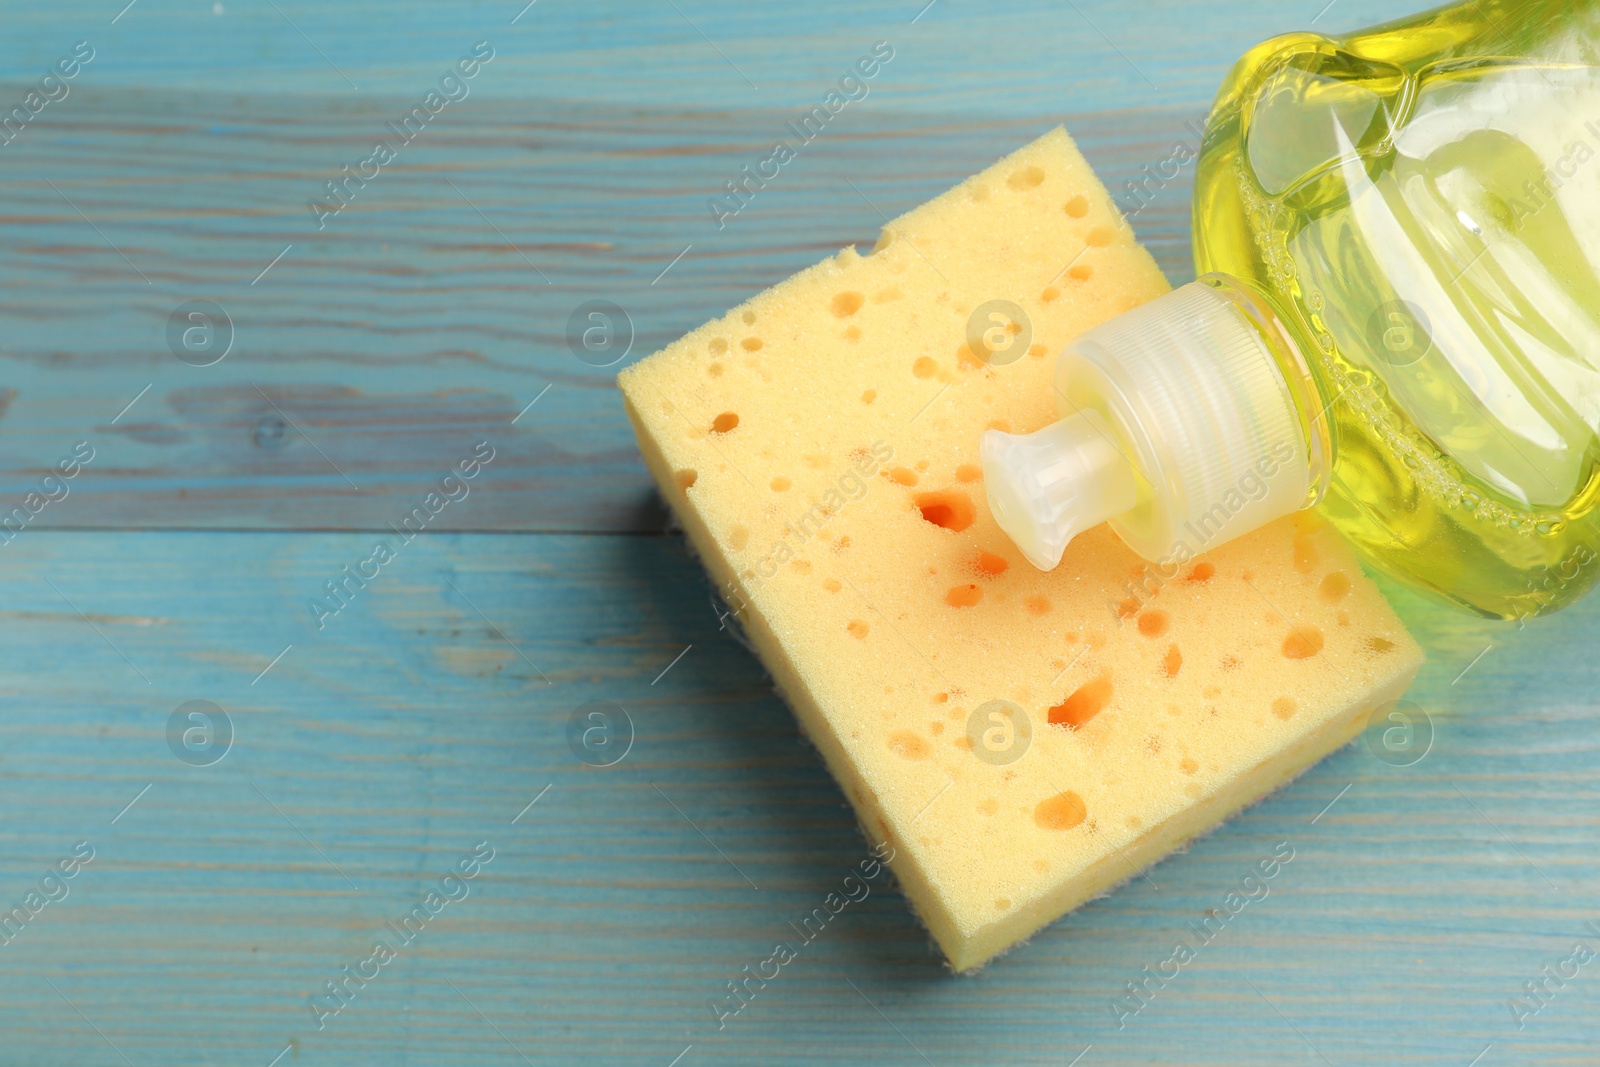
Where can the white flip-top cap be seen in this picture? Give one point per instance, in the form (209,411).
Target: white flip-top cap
(1178,427)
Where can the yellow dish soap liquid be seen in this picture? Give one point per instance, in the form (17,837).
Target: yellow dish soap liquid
(1397,321)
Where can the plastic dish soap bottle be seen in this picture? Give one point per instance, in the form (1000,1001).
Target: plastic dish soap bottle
(1397,320)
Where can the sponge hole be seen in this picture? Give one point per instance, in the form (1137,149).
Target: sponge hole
(846,304)
(686,477)
(963,596)
(1080,272)
(989,565)
(1154,623)
(1099,237)
(1302,643)
(924,367)
(909,745)
(902,476)
(751,344)
(1077,207)
(1060,812)
(949,508)
(725,422)
(1029,177)
(1084,703)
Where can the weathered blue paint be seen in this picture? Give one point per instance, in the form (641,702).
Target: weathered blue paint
(426,714)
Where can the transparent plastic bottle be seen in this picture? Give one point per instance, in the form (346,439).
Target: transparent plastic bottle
(1397,321)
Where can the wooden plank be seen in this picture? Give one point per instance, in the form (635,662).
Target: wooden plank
(368,353)
(419,722)
(379,350)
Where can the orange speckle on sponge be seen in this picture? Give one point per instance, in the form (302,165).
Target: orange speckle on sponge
(910,745)
(1060,812)
(846,304)
(1084,703)
(963,596)
(902,476)
(989,565)
(950,508)
(1173,662)
(1154,623)
(1302,643)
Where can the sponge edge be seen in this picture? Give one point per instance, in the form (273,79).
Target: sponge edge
(819,444)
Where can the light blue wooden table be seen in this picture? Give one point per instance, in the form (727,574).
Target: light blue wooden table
(424,726)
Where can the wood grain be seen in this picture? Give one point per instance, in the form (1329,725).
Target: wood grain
(425,315)
(371,755)
(419,723)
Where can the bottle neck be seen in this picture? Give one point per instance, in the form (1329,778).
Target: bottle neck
(1186,422)
(1283,336)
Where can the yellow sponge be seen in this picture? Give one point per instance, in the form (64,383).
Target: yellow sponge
(1023,740)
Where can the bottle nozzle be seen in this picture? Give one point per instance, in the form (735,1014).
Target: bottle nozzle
(1047,487)
(1178,427)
